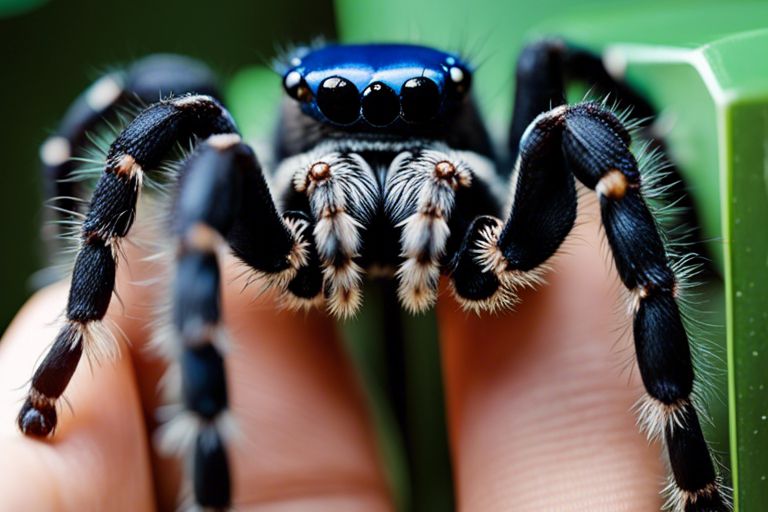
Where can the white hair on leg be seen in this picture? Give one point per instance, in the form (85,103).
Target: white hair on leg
(654,417)
(179,428)
(678,500)
(99,344)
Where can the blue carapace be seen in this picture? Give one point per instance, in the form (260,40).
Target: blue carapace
(376,86)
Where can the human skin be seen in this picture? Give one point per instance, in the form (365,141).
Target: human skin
(539,405)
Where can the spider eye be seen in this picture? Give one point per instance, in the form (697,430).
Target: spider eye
(296,87)
(381,105)
(460,79)
(339,100)
(420,99)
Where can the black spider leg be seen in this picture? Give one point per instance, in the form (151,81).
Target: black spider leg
(587,67)
(301,283)
(140,146)
(543,69)
(542,214)
(598,153)
(145,82)
(594,146)
(543,196)
(222,195)
(539,86)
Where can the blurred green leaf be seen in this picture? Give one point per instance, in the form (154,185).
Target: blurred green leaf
(253,96)
(15,7)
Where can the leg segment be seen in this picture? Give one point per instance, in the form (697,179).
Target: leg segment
(543,69)
(196,316)
(305,290)
(600,158)
(540,86)
(222,191)
(146,81)
(485,273)
(140,146)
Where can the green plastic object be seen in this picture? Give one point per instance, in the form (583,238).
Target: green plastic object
(744,176)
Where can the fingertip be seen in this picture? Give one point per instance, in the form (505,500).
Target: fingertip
(97,455)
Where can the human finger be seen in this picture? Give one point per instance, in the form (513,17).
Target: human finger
(539,408)
(303,436)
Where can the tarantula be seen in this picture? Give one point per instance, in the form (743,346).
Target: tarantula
(383,164)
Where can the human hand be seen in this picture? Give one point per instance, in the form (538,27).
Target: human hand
(538,406)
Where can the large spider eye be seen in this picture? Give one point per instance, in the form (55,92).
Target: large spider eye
(296,87)
(460,79)
(339,100)
(380,104)
(420,98)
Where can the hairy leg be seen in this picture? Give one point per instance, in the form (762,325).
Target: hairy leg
(145,82)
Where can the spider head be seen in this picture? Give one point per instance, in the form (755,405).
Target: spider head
(377,86)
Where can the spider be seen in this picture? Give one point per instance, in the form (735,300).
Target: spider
(383,165)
